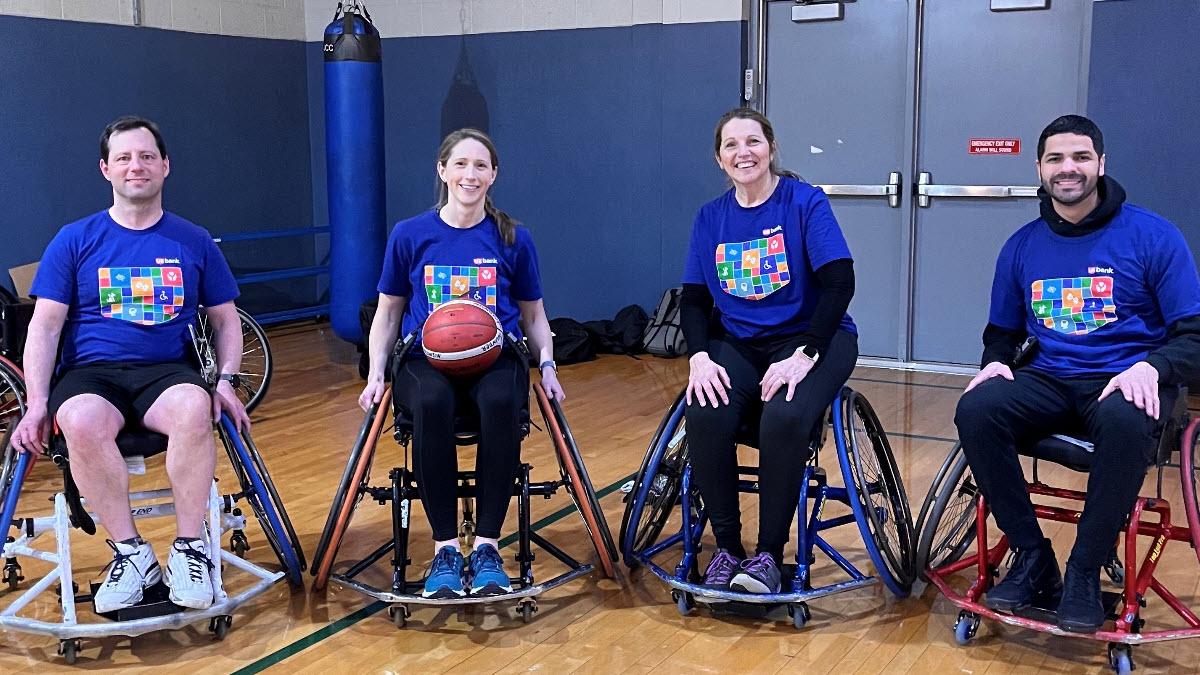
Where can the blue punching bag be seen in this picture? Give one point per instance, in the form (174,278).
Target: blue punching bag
(354,162)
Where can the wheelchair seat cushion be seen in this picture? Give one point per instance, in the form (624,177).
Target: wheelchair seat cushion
(131,442)
(1074,453)
(466,422)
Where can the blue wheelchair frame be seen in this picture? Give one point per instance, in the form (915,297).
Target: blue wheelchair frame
(810,524)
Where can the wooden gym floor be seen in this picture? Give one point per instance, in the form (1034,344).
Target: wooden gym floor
(305,429)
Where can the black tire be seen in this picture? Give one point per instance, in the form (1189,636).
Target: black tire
(948,528)
(273,494)
(879,488)
(12,408)
(661,480)
(254,377)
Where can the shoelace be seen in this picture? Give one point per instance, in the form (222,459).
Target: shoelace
(721,569)
(443,561)
(486,560)
(118,563)
(198,563)
(759,563)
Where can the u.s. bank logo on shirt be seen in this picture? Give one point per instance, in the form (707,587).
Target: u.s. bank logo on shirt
(142,295)
(444,283)
(1074,306)
(753,269)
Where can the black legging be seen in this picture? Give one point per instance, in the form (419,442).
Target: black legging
(998,415)
(782,439)
(501,395)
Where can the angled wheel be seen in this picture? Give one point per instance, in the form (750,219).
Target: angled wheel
(254,376)
(261,467)
(876,491)
(355,477)
(1188,462)
(579,485)
(12,408)
(948,526)
(656,489)
(262,502)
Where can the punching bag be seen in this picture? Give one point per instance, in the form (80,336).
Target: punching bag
(354,163)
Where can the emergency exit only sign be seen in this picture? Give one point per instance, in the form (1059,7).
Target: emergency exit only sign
(994,146)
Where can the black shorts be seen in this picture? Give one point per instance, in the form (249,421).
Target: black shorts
(131,388)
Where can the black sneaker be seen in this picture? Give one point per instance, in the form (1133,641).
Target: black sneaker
(759,574)
(1081,610)
(720,570)
(1034,572)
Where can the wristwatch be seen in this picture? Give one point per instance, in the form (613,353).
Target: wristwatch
(231,378)
(551,363)
(808,352)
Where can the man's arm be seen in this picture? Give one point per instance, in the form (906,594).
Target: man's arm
(41,347)
(227,342)
(1178,361)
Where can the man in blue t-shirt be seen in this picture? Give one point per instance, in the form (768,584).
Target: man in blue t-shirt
(1111,294)
(116,291)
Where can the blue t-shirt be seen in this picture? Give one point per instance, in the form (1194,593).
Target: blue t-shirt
(759,263)
(1100,302)
(131,294)
(445,262)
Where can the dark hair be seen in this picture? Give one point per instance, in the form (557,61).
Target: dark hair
(1072,124)
(768,132)
(508,226)
(127,123)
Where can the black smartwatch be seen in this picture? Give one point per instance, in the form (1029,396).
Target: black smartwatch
(809,352)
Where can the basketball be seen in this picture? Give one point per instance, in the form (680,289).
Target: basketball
(462,337)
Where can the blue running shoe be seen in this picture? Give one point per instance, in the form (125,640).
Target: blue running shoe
(486,572)
(445,579)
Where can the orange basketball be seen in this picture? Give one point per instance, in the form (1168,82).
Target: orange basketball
(462,337)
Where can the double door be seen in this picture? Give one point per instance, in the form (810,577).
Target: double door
(920,119)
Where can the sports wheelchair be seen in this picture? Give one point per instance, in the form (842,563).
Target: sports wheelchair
(954,517)
(874,493)
(401,490)
(155,612)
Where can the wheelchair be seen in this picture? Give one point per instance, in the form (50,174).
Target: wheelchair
(954,519)
(873,492)
(155,612)
(401,490)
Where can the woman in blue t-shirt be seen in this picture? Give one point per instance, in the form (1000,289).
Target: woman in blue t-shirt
(465,247)
(766,284)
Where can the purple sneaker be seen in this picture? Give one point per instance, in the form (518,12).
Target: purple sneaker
(720,570)
(759,574)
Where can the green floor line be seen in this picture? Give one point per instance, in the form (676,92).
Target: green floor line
(350,619)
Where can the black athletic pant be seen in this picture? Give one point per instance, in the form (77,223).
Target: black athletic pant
(998,415)
(501,395)
(783,436)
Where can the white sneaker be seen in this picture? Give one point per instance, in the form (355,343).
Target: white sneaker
(132,570)
(188,574)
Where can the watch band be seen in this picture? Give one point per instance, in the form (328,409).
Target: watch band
(227,377)
(551,363)
(808,352)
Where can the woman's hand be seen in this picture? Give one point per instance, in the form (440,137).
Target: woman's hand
(372,393)
(707,380)
(790,371)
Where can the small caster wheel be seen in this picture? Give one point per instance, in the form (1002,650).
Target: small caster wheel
(527,610)
(799,613)
(1120,657)
(239,544)
(69,650)
(12,574)
(399,615)
(219,626)
(966,627)
(1115,571)
(684,602)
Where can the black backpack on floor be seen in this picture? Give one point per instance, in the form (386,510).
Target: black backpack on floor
(572,342)
(664,334)
(622,334)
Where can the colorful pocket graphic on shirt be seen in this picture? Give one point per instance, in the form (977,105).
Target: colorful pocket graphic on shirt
(1074,306)
(142,295)
(444,283)
(753,269)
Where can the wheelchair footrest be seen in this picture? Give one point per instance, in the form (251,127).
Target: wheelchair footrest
(756,610)
(1045,608)
(155,602)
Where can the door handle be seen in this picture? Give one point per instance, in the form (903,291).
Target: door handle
(926,188)
(891,190)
